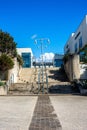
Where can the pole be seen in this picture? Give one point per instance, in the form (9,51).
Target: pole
(42,73)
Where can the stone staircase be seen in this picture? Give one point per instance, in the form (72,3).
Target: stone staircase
(26,75)
(58,82)
(28,83)
(23,89)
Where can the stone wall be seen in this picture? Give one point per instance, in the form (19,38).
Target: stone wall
(76,67)
(68,68)
(3,90)
(72,68)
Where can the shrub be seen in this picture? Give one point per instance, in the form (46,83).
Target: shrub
(7,44)
(6,62)
(20,60)
(2,83)
(84,84)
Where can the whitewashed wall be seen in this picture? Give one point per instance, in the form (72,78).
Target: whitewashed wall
(14,73)
(72,41)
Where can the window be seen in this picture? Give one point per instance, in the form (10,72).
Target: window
(80,42)
(76,47)
(67,46)
(82,57)
(68,50)
(58,62)
(77,35)
(27,60)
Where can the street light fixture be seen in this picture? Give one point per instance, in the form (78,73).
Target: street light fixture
(41,40)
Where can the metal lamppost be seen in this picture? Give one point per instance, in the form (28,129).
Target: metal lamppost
(41,41)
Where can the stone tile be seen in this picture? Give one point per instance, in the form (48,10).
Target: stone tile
(44,117)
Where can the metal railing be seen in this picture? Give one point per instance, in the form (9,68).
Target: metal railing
(10,81)
(42,80)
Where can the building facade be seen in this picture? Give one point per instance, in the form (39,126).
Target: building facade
(73,46)
(26,54)
(78,39)
(58,60)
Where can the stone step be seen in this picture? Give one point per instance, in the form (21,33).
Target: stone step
(60,89)
(28,84)
(20,87)
(27,75)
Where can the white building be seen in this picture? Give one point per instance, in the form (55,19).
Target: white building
(78,39)
(76,42)
(27,55)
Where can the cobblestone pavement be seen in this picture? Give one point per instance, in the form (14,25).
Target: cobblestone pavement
(44,117)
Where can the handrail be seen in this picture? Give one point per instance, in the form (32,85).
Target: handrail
(10,81)
(42,80)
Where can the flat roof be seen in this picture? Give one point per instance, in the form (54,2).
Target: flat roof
(24,50)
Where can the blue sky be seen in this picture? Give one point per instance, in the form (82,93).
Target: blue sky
(53,19)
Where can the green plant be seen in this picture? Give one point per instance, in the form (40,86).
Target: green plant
(84,84)
(20,60)
(7,44)
(2,83)
(83,54)
(6,62)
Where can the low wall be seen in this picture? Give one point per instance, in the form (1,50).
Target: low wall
(3,90)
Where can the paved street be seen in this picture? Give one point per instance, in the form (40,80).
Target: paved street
(16,112)
(71,111)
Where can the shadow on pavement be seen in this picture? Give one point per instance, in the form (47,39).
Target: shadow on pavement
(63,89)
(58,75)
